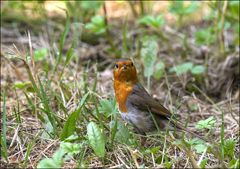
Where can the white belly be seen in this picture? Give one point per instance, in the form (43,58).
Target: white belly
(141,120)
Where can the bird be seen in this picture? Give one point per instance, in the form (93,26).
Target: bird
(137,106)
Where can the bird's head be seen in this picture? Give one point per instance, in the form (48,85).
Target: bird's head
(125,71)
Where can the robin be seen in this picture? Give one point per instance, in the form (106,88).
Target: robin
(135,104)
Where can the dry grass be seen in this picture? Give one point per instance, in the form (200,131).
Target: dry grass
(65,87)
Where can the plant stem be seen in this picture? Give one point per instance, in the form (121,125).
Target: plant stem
(109,37)
(133,9)
(221,32)
(142,7)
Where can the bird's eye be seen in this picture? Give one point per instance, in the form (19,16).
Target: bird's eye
(131,64)
(116,66)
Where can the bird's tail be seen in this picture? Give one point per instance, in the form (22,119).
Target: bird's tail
(179,126)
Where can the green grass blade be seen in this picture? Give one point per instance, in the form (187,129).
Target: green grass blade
(62,41)
(47,108)
(29,148)
(4,152)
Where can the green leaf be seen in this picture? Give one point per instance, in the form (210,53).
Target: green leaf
(22,85)
(149,54)
(198,69)
(195,141)
(70,125)
(159,70)
(91,5)
(205,36)
(153,150)
(200,148)
(234,163)
(108,107)
(71,148)
(176,7)
(208,123)
(40,54)
(58,155)
(96,139)
(152,21)
(193,107)
(229,147)
(55,162)
(97,25)
(182,68)
(191,8)
(198,145)
(233,10)
(122,134)
(203,163)
(48,163)
(179,8)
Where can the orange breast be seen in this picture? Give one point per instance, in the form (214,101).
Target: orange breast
(122,90)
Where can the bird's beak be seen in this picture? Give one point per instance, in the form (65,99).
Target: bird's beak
(124,68)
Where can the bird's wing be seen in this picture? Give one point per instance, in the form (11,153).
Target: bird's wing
(140,98)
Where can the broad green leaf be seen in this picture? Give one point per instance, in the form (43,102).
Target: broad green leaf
(159,70)
(97,25)
(122,134)
(195,141)
(70,125)
(198,145)
(58,155)
(40,54)
(152,21)
(71,148)
(208,123)
(48,163)
(198,69)
(108,107)
(96,139)
(200,148)
(55,162)
(149,54)
(182,68)
(233,10)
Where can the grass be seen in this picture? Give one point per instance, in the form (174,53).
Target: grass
(60,111)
